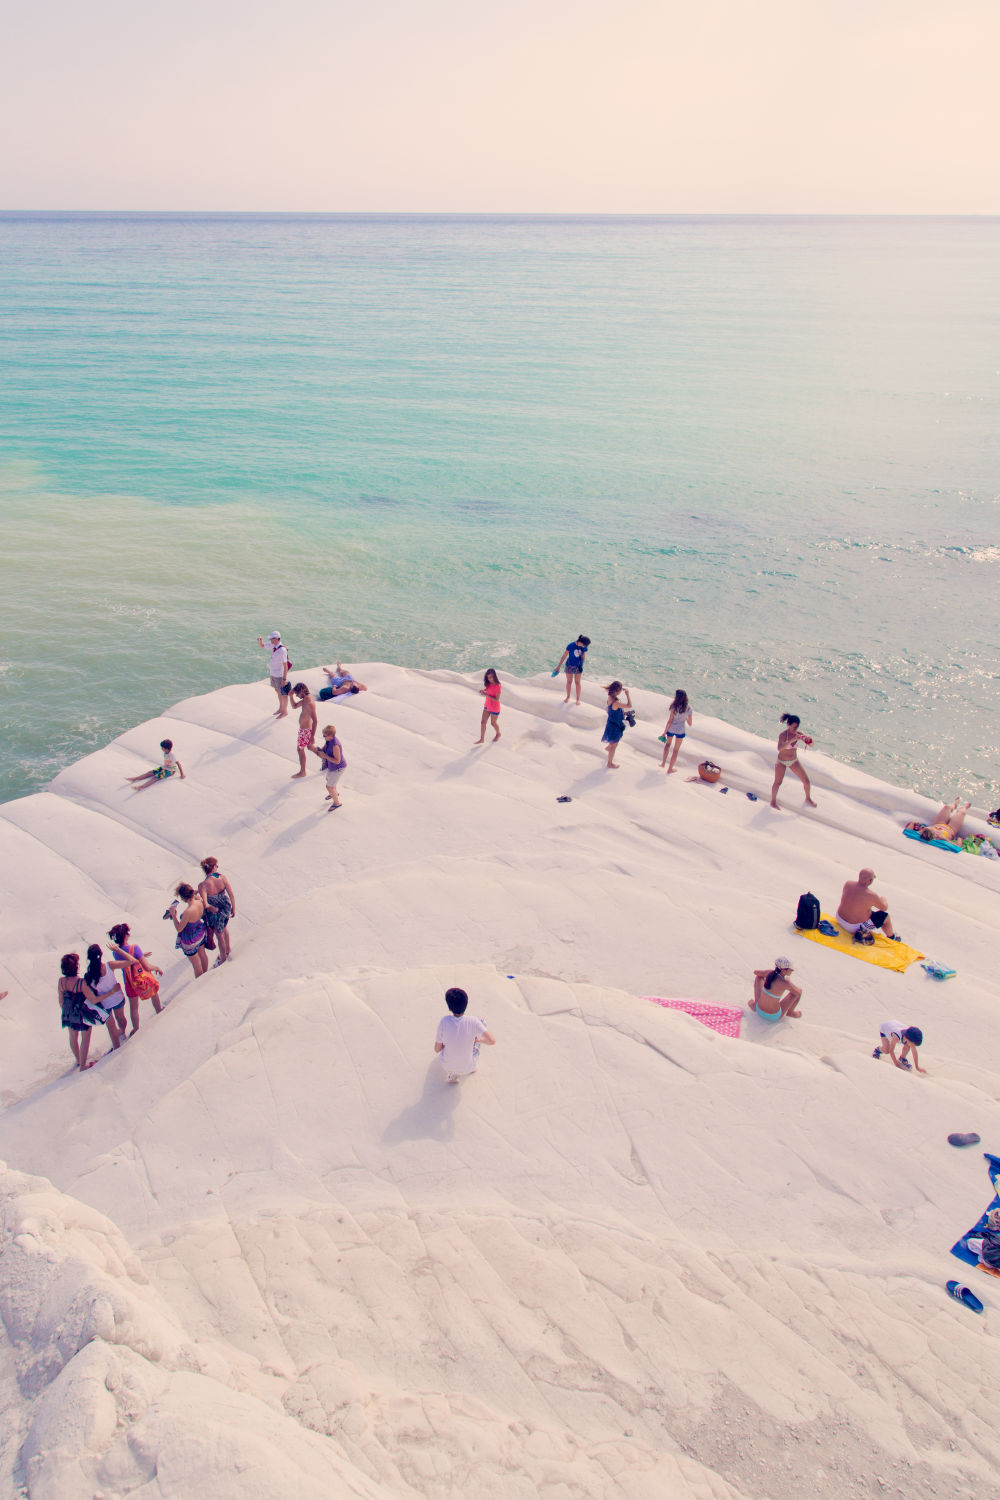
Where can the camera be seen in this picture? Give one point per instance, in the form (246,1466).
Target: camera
(630,718)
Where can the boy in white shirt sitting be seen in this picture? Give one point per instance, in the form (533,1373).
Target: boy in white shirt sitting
(459,1036)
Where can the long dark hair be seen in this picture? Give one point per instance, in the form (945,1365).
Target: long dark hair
(613,687)
(792,720)
(774,974)
(93,970)
(680,703)
(119,934)
(489,676)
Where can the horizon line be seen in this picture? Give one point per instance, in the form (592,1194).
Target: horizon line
(554,214)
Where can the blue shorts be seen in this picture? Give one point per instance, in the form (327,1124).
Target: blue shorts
(674,734)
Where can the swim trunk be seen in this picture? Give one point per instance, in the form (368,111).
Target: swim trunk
(277,683)
(877,919)
(304,738)
(161,773)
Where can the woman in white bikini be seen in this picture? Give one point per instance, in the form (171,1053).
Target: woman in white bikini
(788,757)
(774,998)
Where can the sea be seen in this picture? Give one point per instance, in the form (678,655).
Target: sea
(756,458)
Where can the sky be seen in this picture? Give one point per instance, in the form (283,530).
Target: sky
(534,106)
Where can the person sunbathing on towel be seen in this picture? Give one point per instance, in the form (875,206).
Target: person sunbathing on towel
(861,909)
(987,1245)
(947,824)
(341,681)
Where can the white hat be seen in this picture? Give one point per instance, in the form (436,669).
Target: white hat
(783,963)
(275,635)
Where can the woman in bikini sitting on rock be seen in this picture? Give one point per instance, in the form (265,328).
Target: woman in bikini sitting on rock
(774,998)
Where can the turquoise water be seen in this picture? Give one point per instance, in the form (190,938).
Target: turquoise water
(757,458)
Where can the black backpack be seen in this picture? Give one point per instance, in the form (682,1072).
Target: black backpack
(807,912)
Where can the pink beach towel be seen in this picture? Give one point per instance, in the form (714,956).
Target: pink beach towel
(724,1019)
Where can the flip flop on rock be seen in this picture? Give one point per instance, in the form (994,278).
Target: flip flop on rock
(964,1138)
(964,1295)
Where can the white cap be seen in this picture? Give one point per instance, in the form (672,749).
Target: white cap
(275,635)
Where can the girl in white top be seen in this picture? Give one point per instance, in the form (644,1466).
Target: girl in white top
(103,980)
(679,721)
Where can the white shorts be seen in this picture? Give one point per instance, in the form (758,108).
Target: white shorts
(332,777)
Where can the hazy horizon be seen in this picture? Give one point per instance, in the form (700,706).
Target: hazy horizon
(652,108)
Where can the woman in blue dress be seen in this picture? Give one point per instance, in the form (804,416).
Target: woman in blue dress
(619,704)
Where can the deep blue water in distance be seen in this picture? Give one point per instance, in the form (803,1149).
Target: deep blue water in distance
(757,458)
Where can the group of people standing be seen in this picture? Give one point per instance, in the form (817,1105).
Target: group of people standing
(339,682)
(126,976)
(99,995)
(680,718)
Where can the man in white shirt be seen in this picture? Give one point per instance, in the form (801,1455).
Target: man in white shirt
(278,670)
(459,1037)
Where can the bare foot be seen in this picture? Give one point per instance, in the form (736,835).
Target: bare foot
(496,736)
(752,1006)
(810,802)
(298,776)
(478,742)
(612,765)
(672,770)
(775,806)
(565,700)
(85,1066)
(792,1015)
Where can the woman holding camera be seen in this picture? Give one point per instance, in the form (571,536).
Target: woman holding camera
(190,924)
(619,707)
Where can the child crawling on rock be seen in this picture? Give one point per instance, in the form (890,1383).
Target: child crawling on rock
(893,1034)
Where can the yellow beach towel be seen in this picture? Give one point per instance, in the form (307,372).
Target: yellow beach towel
(885,954)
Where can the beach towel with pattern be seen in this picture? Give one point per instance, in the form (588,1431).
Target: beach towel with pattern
(885,953)
(721,1018)
(961,1248)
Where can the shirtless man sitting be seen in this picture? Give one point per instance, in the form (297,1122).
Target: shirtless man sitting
(861,907)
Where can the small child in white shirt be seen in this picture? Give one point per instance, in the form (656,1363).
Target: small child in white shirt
(171,765)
